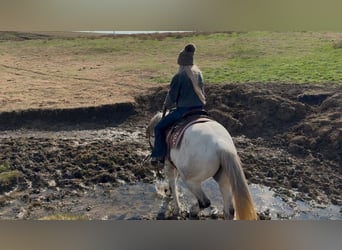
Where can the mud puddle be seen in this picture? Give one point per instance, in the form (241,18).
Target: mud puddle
(148,201)
(122,198)
(144,201)
(114,134)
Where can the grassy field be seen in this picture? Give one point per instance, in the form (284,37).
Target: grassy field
(45,71)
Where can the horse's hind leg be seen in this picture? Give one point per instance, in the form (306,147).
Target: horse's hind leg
(203,201)
(226,191)
(172,175)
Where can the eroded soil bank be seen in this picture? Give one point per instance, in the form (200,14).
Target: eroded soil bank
(289,138)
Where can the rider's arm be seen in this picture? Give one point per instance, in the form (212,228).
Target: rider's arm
(173,93)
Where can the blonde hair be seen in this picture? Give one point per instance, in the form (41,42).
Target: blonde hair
(194,73)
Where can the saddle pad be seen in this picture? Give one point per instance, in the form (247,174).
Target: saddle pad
(175,135)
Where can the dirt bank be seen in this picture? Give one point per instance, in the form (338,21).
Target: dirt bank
(289,137)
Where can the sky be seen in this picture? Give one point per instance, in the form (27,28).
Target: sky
(197,15)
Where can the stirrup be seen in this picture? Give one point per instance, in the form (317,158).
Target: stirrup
(155,161)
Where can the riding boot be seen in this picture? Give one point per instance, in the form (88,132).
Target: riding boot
(155,161)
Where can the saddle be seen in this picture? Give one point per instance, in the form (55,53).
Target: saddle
(174,134)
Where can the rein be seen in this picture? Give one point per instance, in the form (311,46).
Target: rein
(148,135)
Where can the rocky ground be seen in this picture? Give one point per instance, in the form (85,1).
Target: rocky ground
(289,138)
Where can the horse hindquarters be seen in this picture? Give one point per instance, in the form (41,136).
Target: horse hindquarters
(243,202)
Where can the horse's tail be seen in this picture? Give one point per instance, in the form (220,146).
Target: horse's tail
(244,206)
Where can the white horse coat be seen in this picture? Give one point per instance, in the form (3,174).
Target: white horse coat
(207,150)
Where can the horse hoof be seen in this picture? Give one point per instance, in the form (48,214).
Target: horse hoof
(194,210)
(175,211)
(161,216)
(167,192)
(204,205)
(209,212)
(230,214)
(214,212)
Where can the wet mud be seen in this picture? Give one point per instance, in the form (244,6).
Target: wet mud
(289,138)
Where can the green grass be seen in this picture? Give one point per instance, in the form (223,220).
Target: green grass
(8,176)
(4,167)
(288,57)
(277,57)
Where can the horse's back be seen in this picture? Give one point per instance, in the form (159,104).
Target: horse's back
(211,133)
(199,152)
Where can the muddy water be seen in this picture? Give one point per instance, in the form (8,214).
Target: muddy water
(136,200)
(148,201)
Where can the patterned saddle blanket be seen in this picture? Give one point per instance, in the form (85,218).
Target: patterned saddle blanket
(174,135)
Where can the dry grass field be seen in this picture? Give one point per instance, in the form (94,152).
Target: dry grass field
(59,77)
(69,69)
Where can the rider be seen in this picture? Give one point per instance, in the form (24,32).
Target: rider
(186,93)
